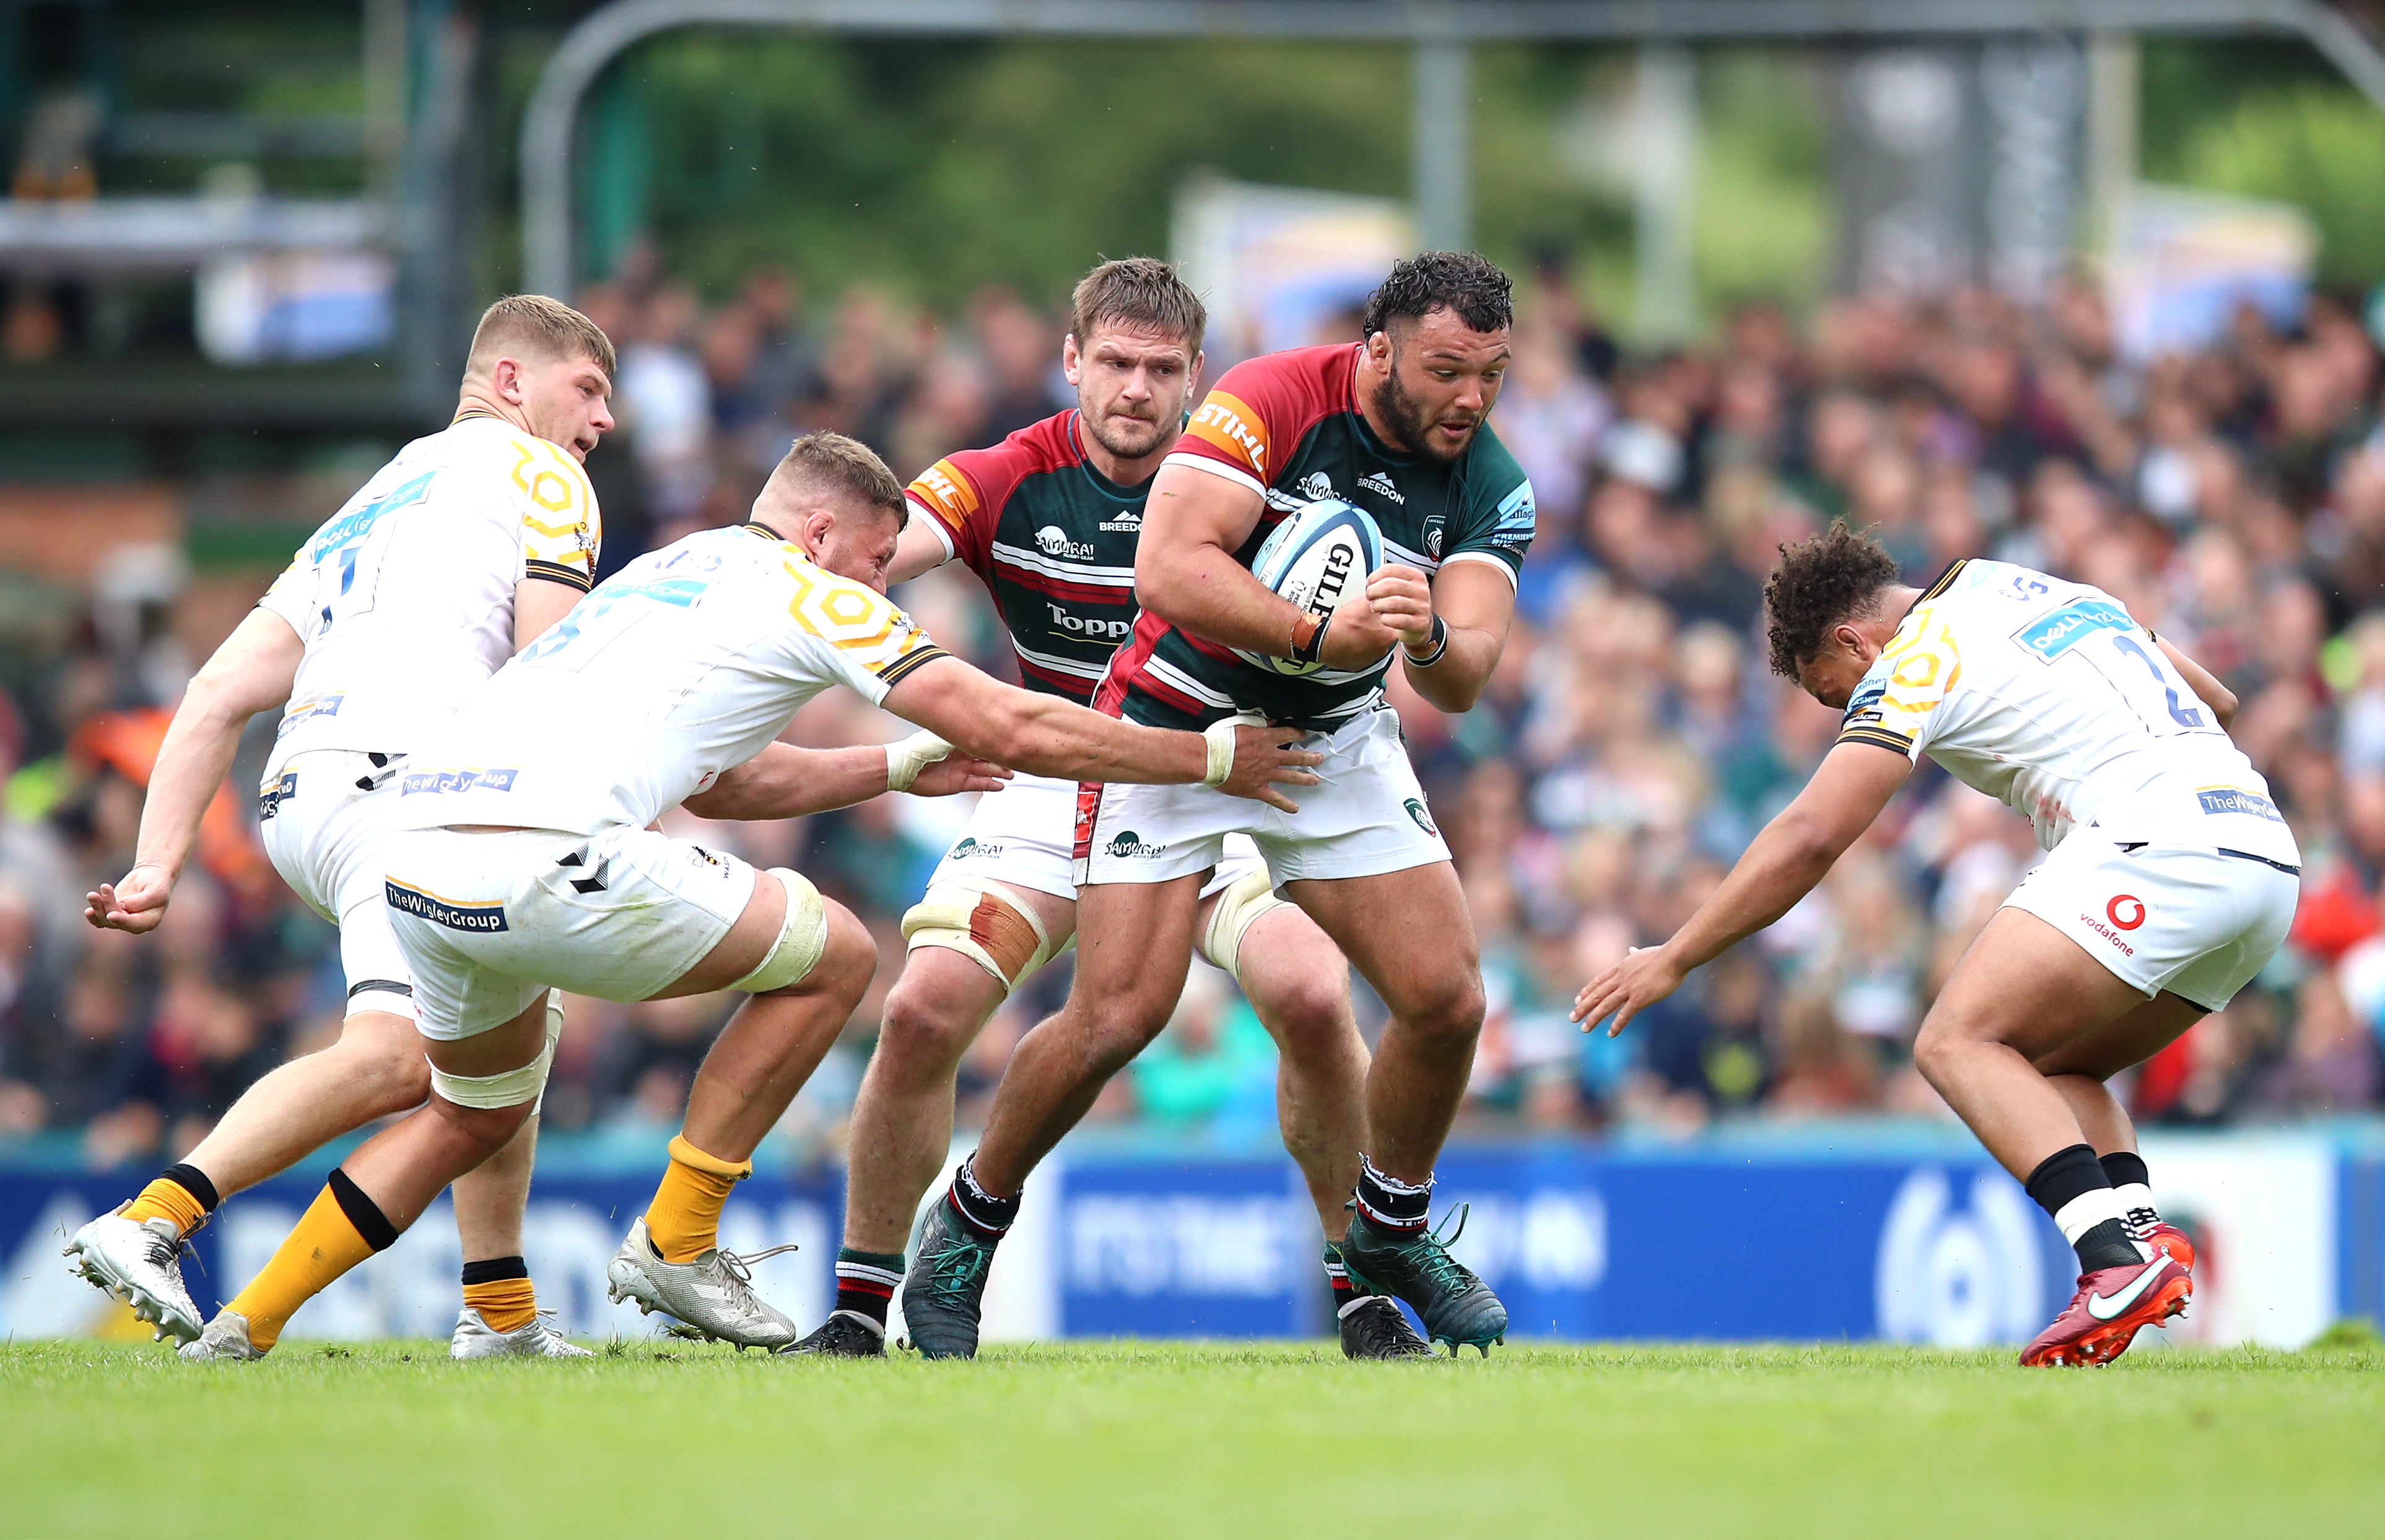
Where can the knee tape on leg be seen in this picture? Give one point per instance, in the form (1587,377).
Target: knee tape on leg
(1002,936)
(509,1090)
(801,939)
(1239,908)
(554,1036)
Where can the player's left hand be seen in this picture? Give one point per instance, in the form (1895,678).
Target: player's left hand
(956,773)
(136,903)
(1402,598)
(1642,979)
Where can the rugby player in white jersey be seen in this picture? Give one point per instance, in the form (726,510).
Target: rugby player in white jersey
(532,861)
(2171,877)
(460,550)
(1049,518)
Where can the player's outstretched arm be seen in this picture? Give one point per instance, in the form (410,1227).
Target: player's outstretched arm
(1046,736)
(1185,573)
(1781,866)
(1474,604)
(2218,697)
(783,781)
(250,673)
(539,602)
(917,549)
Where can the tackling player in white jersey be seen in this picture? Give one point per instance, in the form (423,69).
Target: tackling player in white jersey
(469,544)
(532,863)
(2171,879)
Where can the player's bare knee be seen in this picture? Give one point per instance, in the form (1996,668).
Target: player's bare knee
(1308,1009)
(386,1065)
(1449,1016)
(919,1032)
(489,1128)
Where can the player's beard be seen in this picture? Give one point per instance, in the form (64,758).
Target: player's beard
(1128,438)
(1412,422)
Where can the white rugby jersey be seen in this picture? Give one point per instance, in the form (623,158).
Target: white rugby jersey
(2047,695)
(405,598)
(686,663)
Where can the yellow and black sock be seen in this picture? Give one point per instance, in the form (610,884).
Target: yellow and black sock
(341,1228)
(181,1195)
(500,1289)
(683,1221)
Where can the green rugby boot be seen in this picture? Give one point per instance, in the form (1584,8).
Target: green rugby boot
(943,1294)
(1455,1306)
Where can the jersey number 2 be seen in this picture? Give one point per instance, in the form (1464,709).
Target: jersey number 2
(2180,712)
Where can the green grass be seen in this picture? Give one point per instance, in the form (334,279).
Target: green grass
(1131,1439)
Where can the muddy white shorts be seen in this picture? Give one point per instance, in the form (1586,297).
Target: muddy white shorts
(1023,837)
(2196,923)
(1366,816)
(322,814)
(487,920)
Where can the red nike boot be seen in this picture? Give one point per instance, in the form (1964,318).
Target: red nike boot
(2166,1237)
(2112,1306)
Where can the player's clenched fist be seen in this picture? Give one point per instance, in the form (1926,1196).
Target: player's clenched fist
(1358,637)
(1402,600)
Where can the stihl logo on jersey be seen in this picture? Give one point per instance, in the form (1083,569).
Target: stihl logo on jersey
(946,491)
(1223,426)
(1078,625)
(1053,542)
(1380,485)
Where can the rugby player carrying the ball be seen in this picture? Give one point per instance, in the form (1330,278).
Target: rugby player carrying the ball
(1397,426)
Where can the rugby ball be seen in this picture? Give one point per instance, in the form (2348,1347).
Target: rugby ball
(1319,558)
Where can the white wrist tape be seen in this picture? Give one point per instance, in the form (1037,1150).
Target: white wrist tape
(906,757)
(1220,738)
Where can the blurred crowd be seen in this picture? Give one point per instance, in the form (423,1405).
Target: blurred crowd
(1630,745)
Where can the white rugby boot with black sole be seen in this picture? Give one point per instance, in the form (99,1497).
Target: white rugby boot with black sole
(539,1338)
(712,1293)
(139,1261)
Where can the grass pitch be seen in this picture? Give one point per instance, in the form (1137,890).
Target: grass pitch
(1133,1439)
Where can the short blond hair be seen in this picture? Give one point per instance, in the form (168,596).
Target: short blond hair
(832,464)
(542,329)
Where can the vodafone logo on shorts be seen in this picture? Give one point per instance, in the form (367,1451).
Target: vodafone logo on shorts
(2126,910)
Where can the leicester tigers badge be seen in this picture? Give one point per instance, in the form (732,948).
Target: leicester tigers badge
(1434,524)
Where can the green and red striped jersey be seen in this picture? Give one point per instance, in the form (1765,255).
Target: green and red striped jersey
(1054,539)
(1288,427)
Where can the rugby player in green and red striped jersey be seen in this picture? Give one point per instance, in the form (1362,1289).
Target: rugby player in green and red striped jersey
(1050,519)
(1396,425)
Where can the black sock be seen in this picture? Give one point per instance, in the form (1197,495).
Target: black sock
(2073,1177)
(1337,1277)
(866,1282)
(495,1269)
(2124,1166)
(1389,1203)
(192,1180)
(362,1211)
(980,1209)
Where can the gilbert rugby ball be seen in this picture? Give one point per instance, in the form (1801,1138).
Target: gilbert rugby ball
(1319,558)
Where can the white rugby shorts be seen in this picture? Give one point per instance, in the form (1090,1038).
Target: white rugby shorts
(1023,836)
(487,920)
(2194,921)
(322,816)
(1366,816)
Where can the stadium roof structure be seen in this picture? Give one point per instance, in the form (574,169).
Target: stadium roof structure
(1440,31)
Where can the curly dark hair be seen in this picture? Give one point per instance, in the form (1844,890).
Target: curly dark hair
(1822,580)
(1468,282)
